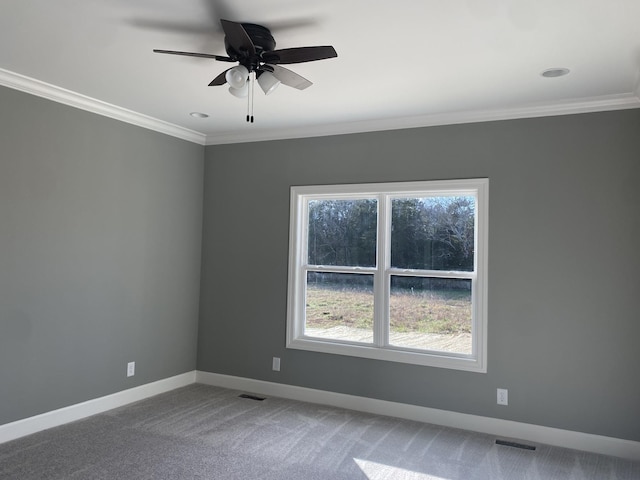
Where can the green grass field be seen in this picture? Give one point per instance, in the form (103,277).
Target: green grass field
(443,312)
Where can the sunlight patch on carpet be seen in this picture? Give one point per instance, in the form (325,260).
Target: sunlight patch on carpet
(380,471)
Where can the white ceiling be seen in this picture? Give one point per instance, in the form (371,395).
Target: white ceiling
(401,63)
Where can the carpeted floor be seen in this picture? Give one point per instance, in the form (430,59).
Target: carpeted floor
(203,432)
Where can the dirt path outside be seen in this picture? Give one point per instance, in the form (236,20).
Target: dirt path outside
(454,343)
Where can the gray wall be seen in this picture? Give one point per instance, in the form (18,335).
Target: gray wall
(100,233)
(563,321)
(100,229)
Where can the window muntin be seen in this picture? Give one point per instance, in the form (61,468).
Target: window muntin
(390,271)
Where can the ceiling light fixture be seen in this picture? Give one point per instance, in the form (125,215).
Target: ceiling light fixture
(268,82)
(199,115)
(555,72)
(236,77)
(254,48)
(241,92)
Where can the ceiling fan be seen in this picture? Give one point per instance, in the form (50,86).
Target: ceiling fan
(253,47)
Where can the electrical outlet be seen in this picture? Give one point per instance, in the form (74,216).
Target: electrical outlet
(131,369)
(503,396)
(276,364)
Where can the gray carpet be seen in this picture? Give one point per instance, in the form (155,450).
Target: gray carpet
(203,432)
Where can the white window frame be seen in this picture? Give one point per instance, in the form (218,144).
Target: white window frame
(380,349)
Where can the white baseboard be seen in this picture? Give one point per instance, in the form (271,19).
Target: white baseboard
(493,426)
(54,418)
(502,428)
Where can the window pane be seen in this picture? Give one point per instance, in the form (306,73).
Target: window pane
(339,306)
(430,314)
(433,233)
(343,232)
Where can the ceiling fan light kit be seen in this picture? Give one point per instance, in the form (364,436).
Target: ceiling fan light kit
(237,76)
(253,47)
(241,92)
(268,82)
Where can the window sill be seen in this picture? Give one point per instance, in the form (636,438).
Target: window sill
(436,359)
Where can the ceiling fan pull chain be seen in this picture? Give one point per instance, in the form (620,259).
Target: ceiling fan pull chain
(253,84)
(250,93)
(248,98)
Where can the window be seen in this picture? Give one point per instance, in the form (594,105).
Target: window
(390,271)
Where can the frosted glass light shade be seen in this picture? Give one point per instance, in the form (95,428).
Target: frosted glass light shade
(240,92)
(268,82)
(237,76)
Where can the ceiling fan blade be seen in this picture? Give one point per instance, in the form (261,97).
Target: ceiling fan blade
(220,79)
(217,9)
(238,37)
(299,54)
(192,54)
(289,78)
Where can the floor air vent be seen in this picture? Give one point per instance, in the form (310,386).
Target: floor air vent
(515,445)
(251,397)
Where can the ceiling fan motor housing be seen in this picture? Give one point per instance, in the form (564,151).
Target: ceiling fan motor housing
(262,40)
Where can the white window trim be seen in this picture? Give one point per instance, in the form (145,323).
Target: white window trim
(479,188)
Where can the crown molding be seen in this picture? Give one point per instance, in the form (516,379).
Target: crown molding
(83,102)
(583,105)
(67,97)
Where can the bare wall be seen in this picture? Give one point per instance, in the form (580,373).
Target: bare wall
(563,260)
(100,232)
